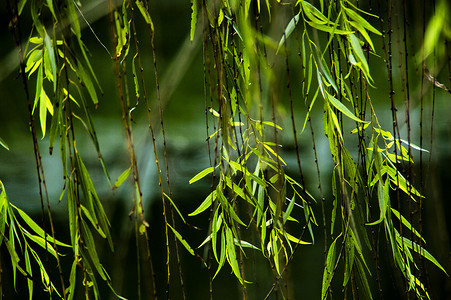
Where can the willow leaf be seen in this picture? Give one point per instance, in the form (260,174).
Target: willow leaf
(122,178)
(86,80)
(30,272)
(384,200)
(357,49)
(4,144)
(51,55)
(36,228)
(407,223)
(72,212)
(327,28)
(44,106)
(360,20)
(223,254)
(90,218)
(295,239)
(364,281)
(423,252)
(244,244)
(215,227)
(72,280)
(231,254)
(193,18)
(91,249)
(288,30)
(349,262)
(402,183)
(201,174)
(290,206)
(235,188)
(246,172)
(175,207)
(335,202)
(182,240)
(135,79)
(275,250)
(342,108)
(329,268)
(145,14)
(73,18)
(205,204)
(41,242)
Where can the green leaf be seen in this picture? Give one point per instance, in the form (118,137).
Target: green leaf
(122,178)
(41,242)
(402,183)
(341,107)
(349,262)
(30,272)
(145,14)
(384,200)
(72,280)
(21,5)
(231,254)
(194,10)
(36,228)
(215,227)
(420,250)
(246,172)
(244,244)
(357,49)
(3,144)
(73,18)
(288,30)
(90,218)
(86,80)
(287,213)
(407,223)
(329,268)
(175,207)
(223,254)
(51,55)
(182,240)
(201,174)
(135,79)
(363,280)
(205,204)
(91,249)
(295,239)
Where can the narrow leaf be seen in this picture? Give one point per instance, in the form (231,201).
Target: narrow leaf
(288,30)
(201,174)
(145,14)
(182,240)
(205,204)
(122,178)
(341,107)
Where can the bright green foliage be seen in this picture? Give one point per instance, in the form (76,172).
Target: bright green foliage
(20,240)
(254,202)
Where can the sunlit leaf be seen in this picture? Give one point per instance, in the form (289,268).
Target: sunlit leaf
(329,268)
(407,223)
(231,254)
(122,178)
(420,250)
(193,18)
(201,174)
(145,14)
(182,240)
(342,108)
(288,30)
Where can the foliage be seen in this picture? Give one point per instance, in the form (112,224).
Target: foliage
(253,198)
